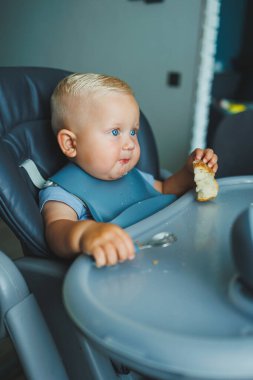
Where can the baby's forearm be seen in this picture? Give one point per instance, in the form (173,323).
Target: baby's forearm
(106,242)
(64,236)
(178,183)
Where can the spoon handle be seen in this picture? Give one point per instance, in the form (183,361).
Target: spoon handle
(138,247)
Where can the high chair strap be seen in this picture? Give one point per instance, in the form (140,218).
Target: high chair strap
(33,172)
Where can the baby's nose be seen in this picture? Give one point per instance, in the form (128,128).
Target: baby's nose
(129,144)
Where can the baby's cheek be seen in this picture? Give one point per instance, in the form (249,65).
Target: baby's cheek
(137,153)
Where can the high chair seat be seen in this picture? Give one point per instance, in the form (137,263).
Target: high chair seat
(25,134)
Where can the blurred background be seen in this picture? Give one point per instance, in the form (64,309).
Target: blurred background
(154,45)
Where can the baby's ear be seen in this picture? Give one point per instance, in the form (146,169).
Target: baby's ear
(67,142)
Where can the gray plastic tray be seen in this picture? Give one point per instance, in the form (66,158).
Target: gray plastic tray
(170,311)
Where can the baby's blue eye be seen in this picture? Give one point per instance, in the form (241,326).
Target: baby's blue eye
(115,132)
(133,132)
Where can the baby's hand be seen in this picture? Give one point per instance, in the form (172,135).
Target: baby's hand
(206,155)
(107,243)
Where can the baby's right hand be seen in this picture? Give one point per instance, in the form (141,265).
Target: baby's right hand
(107,243)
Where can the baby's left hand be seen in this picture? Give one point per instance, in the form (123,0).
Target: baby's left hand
(206,155)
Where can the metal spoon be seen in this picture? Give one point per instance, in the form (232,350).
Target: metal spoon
(161,239)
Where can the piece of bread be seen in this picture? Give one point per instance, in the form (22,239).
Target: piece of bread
(206,185)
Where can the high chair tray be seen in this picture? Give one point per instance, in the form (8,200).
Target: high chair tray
(170,311)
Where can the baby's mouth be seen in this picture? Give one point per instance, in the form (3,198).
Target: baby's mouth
(124,161)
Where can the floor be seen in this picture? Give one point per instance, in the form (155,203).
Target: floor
(10,368)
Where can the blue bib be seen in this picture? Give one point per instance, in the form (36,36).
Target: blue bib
(123,201)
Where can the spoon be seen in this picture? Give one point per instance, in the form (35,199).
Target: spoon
(161,239)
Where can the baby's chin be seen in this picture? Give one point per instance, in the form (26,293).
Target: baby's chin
(118,176)
(111,176)
(116,172)
(124,169)
(120,172)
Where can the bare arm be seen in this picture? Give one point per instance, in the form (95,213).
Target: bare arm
(183,180)
(68,237)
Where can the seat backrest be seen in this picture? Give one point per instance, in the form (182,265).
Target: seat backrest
(25,133)
(233,142)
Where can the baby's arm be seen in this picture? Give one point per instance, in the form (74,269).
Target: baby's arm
(183,180)
(69,237)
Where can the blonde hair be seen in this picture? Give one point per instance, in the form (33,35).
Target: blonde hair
(78,84)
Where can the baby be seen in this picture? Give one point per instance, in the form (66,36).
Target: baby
(96,121)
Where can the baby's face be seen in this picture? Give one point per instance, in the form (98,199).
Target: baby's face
(107,142)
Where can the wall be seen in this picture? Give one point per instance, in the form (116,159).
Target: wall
(137,41)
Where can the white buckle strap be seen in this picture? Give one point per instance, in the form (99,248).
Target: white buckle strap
(34,174)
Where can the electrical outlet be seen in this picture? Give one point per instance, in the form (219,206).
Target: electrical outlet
(174,79)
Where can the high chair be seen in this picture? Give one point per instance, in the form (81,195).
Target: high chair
(173,312)
(232,141)
(26,139)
